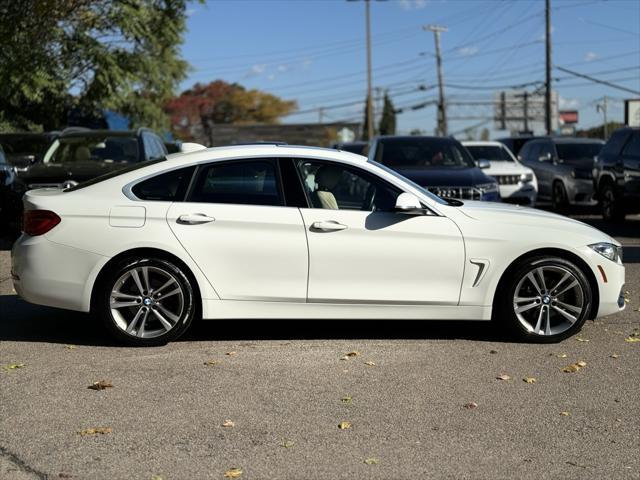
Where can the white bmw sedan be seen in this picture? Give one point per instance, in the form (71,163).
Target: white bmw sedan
(271,231)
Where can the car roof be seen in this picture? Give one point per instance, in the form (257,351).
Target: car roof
(483,143)
(98,133)
(264,150)
(414,137)
(575,140)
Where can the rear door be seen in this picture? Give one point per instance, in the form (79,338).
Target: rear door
(237,228)
(631,163)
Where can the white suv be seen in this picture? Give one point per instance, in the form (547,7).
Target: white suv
(517,183)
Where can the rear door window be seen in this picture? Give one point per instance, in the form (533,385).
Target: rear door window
(168,187)
(632,148)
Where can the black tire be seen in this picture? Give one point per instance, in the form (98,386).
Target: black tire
(181,305)
(611,204)
(505,301)
(559,198)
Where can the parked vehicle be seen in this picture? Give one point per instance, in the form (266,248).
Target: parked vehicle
(441,165)
(78,155)
(24,149)
(10,197)
(358,147)
(296,232)
(515,144)
(564,169)
(616,174)
(517,183)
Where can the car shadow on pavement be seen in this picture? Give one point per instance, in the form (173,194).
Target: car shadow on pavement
(23,322)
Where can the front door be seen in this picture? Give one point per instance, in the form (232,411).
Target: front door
(361,251)
(236,228)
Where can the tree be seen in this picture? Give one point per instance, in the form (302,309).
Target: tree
(598,132)
(484,135)
(89,55)
(222,102)
(388,120)
(365,129)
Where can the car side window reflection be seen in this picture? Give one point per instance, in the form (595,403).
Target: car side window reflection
(336,187)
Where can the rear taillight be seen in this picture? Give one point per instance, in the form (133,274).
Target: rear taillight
(39,222)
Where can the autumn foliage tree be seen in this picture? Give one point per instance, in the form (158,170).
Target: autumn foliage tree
(223,103)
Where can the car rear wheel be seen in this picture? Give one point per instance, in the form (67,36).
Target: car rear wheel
(146,302)
(559,197)
(547,300)
(612,208)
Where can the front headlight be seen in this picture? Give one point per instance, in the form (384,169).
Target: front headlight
(526,177)
(608,250)
(488,187)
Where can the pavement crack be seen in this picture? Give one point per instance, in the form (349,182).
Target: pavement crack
(19,463)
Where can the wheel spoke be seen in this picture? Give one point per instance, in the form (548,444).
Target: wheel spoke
(168,283)
(117,305)
(140,332)
(145,279)
(568,287)
(167,313)
(526,307)
(533,280)
(170,294)
(540,272)
(562,280)
(134,323)
(547,329)
(525,299)
(565,314)
(117,294)
(539,323)
(136,279)
(572,308)
(165,323)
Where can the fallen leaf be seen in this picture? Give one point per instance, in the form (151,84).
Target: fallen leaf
(157,477)
(355,353)
(503,376)
(100,385)
(346,399)
(565,414)
(344,358)
(614,355)
(370,363)
(287,444)
(96,431)
(580,339)
(581,363)
(64,475)
(344,425)
(70,347)
(574,367)
(233,473)
(230,354)
(14,366)
(559,355)
(371,461)
(632,339)
(529,380)
(228,423)
(493,351)
(211,363)
(470,405)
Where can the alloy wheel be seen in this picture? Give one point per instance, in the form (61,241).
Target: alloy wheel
(548,300)
(147,302)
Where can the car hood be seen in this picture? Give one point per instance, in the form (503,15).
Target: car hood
(506,168)
(490,212)
(446,177)
(60,172)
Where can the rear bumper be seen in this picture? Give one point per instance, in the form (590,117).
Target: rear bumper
(47,273)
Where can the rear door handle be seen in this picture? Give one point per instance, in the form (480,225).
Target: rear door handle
(328,226)
(195,219)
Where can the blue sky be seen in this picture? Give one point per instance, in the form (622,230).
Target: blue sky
(313,51)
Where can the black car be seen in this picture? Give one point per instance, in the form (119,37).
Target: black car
(441,165)
(10,197)
(24,149)
(564,169)
(516,143)
(359,147)
(78,155)
(616,176)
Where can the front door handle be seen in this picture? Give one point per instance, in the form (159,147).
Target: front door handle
(328,226)
(195,219)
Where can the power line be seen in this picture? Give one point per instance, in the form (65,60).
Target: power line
(596,80)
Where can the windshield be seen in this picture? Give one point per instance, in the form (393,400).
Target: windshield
(114,174)
(489,152)
(422,153)
(422,190)
(578,151)
(16,145)
(117,149)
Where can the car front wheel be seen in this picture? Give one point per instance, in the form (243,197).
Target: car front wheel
(612,209)
(547,300)
(146,302)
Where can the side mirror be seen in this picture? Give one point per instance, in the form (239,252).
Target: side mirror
(545,158)
(409,203)
(482,163)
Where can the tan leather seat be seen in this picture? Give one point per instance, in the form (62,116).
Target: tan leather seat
(82,154)
(327,178)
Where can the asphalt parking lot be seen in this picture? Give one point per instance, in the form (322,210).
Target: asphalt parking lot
(422,398)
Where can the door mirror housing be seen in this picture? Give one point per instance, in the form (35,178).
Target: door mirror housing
(483,163)
(545,158)
(409,203)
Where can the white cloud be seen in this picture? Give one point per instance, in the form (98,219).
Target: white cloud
(467,51)
(256,70)
(590,56)
(190,11)
(306,63)
(271,76)
(282,68)
(571,103)
(413,4)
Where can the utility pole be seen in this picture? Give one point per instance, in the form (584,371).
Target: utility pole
(602,107)
(369,96)
(442,110)
(320,115)
(547,93)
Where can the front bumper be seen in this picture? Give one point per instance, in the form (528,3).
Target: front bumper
(580,191)
(610,277)
(522,194)
(47,273)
